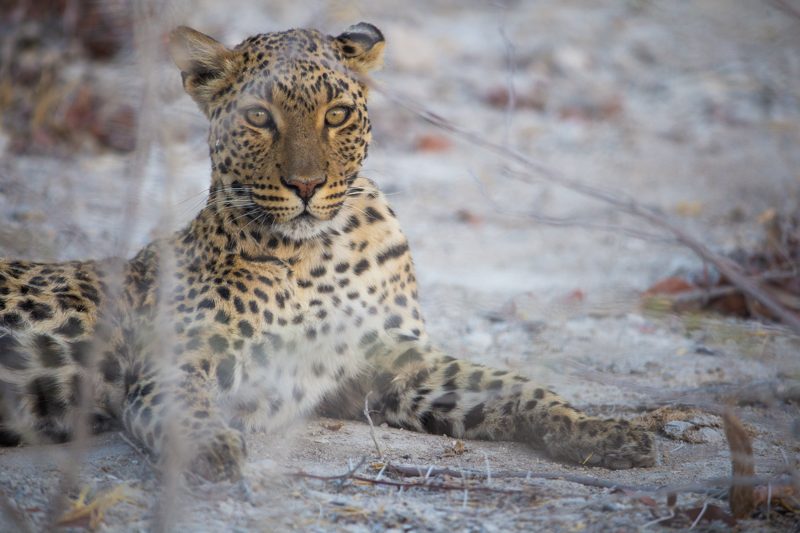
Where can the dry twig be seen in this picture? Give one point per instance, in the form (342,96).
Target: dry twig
(347,475)
(372,426)
(426,484)
(701,487)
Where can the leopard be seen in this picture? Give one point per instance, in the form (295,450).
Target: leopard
(291,293)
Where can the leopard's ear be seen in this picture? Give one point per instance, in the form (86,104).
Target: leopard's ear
(362,47)
(205,64)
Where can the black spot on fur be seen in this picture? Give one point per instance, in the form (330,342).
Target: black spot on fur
(446,403)
(393,252)
(12,356)
(218,343)
(410,355)
(206,303)
(451,370)
(225,370)
(393,321)
(81,352)
(474,417)
(360,267)
(110,368)
(368,338)
(372,215)
(36,310)
(45,393)
(298,394)
(352,223)
(72,328)
(245,328)
(475,381)
(435,426)
(51,354)
(11,321)
(494,385)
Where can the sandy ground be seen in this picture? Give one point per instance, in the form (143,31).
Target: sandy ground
(690,107)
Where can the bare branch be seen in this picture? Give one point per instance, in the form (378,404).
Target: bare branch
(701,487)
(619,200)
(786,7)
(347,475)
(351,475)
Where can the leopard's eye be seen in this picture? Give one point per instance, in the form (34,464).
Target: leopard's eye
(258,117)
(337,115)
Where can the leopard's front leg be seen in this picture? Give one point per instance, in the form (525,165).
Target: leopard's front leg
(177,417)
(422,389)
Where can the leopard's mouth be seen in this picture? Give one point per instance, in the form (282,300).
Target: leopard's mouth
(306,215)
(299,222)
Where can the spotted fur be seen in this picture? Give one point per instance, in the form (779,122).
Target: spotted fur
(292,291)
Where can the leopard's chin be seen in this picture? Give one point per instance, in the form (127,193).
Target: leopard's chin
(305,226)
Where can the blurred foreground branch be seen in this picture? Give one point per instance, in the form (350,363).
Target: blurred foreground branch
(623,202)
(786,7)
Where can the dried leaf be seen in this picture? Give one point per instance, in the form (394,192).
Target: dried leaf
(689,209)
(705,513)
(468,217)
(784,496)
(710,513)
(333,426)
(534,98)
(671,285)
(456,448)
(433,143)
(90,514)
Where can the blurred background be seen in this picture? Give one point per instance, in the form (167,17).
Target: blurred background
(692,108)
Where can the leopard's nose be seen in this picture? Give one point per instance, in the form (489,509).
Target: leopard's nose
(304,187)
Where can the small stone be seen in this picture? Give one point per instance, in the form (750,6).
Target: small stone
(676,429)
(707,434)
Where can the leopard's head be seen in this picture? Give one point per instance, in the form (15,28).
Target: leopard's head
(289,127)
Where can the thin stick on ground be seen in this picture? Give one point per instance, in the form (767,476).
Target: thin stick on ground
(351,475)
(701,487)
(704,487)
(347,475)
(434,486)
(372,426)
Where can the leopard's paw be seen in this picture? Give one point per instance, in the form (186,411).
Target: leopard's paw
(220,458)
(613,444)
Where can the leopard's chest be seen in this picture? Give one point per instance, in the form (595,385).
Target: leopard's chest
(310,336)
